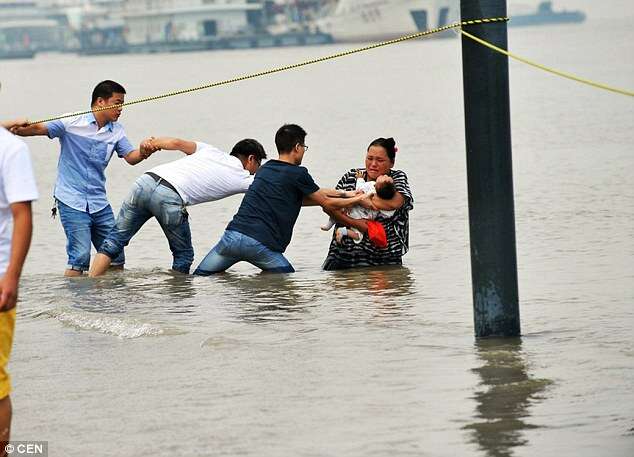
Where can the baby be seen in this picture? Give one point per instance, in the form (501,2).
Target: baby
(384,190)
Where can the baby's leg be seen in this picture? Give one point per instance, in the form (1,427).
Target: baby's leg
(328,225)
(353,233)
(340,232)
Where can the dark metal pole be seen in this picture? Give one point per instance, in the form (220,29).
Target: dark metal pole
(490,173)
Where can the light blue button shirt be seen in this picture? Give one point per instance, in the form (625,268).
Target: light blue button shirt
(86,151)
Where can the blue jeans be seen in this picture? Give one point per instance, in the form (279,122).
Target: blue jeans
(146,200)
(234,247)
(82,228)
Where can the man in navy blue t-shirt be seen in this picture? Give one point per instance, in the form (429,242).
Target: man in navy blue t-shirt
(262,228)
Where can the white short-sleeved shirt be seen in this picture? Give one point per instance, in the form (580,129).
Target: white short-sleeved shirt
(206,175)
(17,184)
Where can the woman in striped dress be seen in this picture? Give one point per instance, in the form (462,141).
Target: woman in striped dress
(387,239)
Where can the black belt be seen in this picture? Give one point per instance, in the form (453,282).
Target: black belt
(161,181)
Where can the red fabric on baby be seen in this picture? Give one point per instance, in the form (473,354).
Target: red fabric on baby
(376,234)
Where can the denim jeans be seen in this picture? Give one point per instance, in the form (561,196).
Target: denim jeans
(234,247)
(82,228)
(146,200)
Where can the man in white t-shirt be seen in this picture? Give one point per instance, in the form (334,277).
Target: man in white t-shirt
(17,191)
(205,174)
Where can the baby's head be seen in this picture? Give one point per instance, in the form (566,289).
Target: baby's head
(385,190)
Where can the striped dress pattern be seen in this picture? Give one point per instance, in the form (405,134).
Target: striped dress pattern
(364,254)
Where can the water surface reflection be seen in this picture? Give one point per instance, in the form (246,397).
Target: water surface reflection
(266,297)
(377,281)
(506,393)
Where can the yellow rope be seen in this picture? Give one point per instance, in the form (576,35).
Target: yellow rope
(283,68)
(548,69)
(355,51)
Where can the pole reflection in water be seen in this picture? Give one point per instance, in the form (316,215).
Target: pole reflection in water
(506,394)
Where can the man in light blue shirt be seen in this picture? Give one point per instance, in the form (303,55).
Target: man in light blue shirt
(88,142)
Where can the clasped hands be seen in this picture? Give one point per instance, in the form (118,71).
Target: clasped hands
(148,147)
(16,125)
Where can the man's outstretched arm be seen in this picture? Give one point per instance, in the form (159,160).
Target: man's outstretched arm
(21,127)
(343,219)
(174,144)
(333,199)
(151,145)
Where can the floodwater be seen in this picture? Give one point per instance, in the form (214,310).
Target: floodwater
(360,363)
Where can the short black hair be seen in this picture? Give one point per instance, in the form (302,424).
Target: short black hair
(105,89)
(288,136)
(386,191)
(388,144)
(249,147)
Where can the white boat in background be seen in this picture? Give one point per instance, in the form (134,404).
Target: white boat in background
(372,20)
(378,20)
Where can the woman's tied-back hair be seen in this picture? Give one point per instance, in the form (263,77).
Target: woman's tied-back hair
(288,136)
(249,147)
(388,144)
(105,89)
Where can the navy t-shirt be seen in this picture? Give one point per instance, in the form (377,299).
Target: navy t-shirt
(270,207)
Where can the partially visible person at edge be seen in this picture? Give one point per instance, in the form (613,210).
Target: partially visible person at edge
(87,143)
(206,174)
(263,226)
(388,237)
(17,191)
